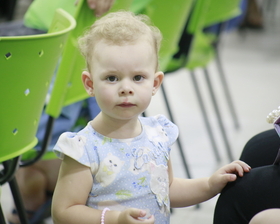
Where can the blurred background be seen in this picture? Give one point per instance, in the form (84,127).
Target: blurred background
(251,62)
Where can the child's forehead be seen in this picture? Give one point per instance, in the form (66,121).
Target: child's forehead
(103,44)
(106,50)
(137,54)
(126,41)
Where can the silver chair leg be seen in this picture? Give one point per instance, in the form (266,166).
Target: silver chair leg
(226,91)
(183,157)
(218,115)
(205,116)
(18,201)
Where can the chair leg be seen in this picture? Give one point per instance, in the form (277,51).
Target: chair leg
(6,175)
(10,168)
(183,157)
(2,217)
(18,201)
(45,144)
(218,114)
(47,136)
(221,28)
(226,91)
(205,116)
(9,7)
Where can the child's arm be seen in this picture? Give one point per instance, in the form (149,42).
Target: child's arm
(71,194)
(186,192)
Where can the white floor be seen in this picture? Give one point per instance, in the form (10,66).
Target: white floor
(251,61)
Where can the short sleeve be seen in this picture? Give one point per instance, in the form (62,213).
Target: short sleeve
(72,145)
(170,129)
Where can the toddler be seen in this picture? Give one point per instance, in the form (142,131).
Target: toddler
(118,168)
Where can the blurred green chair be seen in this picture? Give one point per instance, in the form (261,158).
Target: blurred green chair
(27,66)
(196,51)
(220,14)
(178,59)
(203,52)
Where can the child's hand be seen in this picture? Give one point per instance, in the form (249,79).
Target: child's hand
(227,173)
(134,215)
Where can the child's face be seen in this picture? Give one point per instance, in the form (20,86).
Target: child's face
(123,78)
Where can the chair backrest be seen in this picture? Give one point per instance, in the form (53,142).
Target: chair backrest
(206,13)
(170,17)
(27,65)
(209,12)
(193,23)
(197,17)
(68,87)
(220,11)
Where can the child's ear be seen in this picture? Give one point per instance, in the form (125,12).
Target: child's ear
(157,81)
(88,83)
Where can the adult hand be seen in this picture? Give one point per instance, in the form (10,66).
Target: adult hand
(100,6)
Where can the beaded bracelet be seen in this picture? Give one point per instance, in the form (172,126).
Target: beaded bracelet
(103,214)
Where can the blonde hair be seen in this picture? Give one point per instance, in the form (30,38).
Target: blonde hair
(119,28)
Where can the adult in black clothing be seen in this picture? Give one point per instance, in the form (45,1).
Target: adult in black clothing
(262,149)
(257,190)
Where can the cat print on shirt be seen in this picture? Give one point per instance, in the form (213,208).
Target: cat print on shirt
(108,170)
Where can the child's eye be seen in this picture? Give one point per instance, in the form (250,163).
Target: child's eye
(138,78)
(112,78)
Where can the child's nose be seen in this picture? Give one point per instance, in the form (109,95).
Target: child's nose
(126,89)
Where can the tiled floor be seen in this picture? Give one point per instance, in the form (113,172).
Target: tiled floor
(251,61)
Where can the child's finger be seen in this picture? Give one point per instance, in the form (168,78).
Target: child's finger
(234,168)
(241,167)
(151,219)
(245,166)
(230,177)
(136,213)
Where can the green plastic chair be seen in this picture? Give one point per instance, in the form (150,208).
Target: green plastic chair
(205,13)
(204,52)
(220,11)
(27,65)
(170,28)
(199,52)
(220,14)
